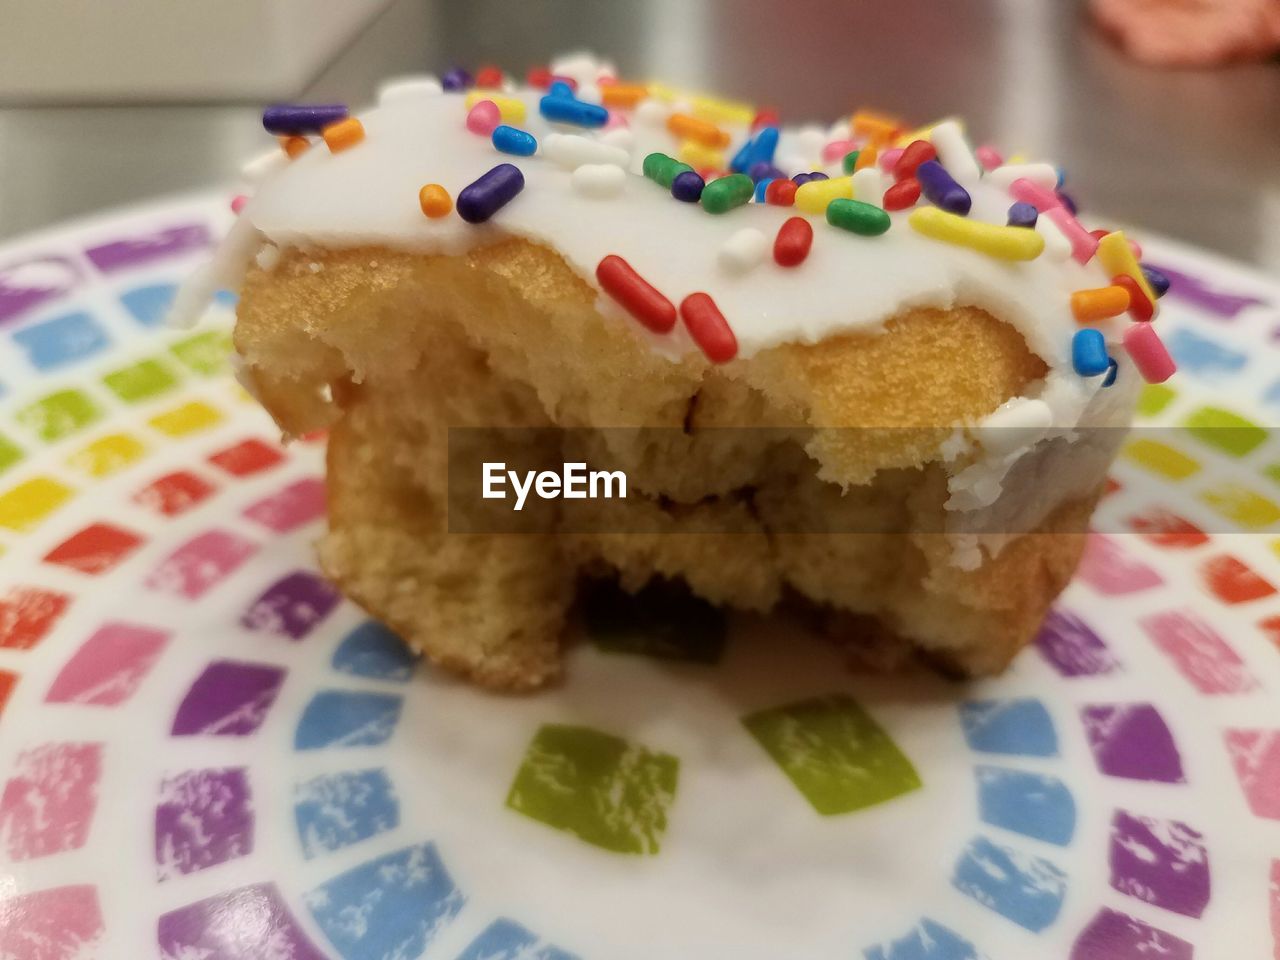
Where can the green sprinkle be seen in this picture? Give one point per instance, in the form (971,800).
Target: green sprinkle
(857,217)
(662,169)
(726,193)
(851,160)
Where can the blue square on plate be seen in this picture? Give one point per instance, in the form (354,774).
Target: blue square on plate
(149,304)
(62,340)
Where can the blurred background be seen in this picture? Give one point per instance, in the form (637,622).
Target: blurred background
(101,105)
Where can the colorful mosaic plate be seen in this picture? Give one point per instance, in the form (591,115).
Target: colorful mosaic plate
(206,754)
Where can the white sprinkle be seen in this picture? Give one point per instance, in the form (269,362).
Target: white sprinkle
(571,150)
(743,250)
(600,181)
(267,257)
(839,130)
(955,153)
(589,93)
(1044,174)
(619,137)
(408,89)
(581,67)
(1057,247)
(263,165)
(791,164)
(1014,425)
(651,112)
(868,186)
(810,139)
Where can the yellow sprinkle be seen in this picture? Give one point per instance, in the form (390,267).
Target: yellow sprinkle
(663,92)
(28,503)
(1116,257)
(1004,243)
(723,111)
(1017,158)
(814,196)
(925,132)
(509,108)
(701,157)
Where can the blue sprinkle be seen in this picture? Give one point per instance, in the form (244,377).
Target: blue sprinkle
(761,187)
(763,146)
(1089,353)
(1022,215)
(560,89)
(687,186)
(742,159)
(1112,369)
(456,79)
(1069,203)
(570,110)
(290,119)
(479,201)
(514,141)
(1062,177)
(1159,282)
(941,190)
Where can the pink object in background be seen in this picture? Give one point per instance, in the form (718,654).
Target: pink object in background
(1192,33)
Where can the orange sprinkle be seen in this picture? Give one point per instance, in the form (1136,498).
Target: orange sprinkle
(703,131)
(435,201)
(1099,303)
(875,126)
(866,157)
(625,95)
(343,134)
(294,146)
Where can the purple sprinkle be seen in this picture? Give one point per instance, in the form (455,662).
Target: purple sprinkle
(456,79)
(293,119)
(1069,203)
(802,178)
(480,200)
(941,190)
(687,186)
(1159,282)
(1022,215)
(763,170)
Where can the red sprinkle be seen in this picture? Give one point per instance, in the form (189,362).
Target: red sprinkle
(765,117)
(636,295)
(708,327)
(781,193)
(539,77)
(793,241)
(489,78)
(914,154)
(902,194)
(1140,308)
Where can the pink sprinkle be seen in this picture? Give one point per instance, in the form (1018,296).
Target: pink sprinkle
(836,149)
(1028,191)
(616,121)
(483,118)
(889,159)
(989,157)
(238,202)
(1083,243)
(569,81)
(1148,353)
(1136,247)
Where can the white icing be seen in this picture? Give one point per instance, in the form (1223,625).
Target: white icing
(599,181)
(412,89)
(743,250)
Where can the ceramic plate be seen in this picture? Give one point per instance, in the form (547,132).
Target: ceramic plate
(206,754)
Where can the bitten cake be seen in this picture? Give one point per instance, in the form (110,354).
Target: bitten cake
(867,368)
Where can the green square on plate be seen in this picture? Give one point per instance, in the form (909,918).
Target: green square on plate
(205,353)
(141,381)
(10,453)
(1229,432)
(834,752)
(59,414)
(599,787)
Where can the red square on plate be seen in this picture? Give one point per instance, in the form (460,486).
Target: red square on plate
(174,493)
(27,614)
(95,549)
(247,457)
(1231,581)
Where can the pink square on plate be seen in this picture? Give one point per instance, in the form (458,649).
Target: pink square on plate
(1109,570)
(64,923)
(108,667)
(1199,654)
(201,563)
(1256,757)
(49,800)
